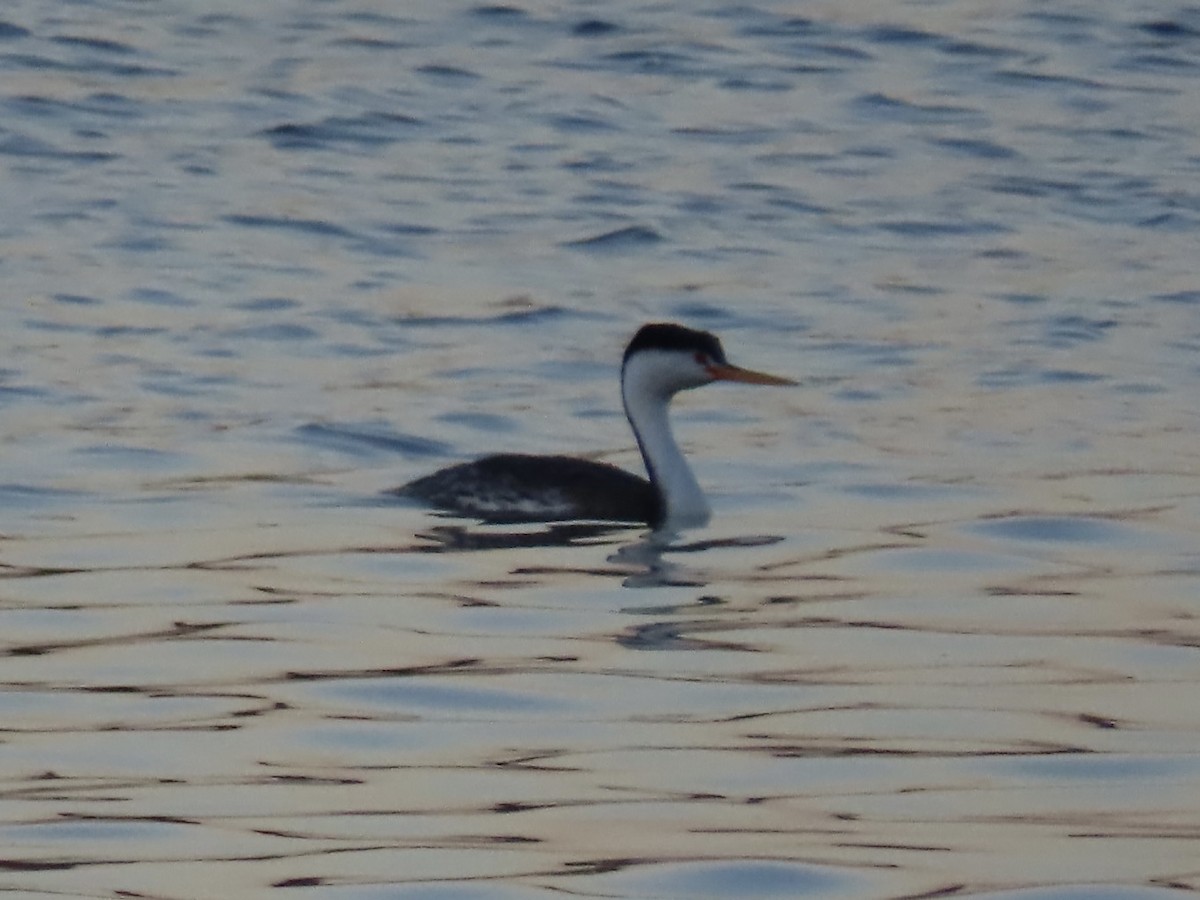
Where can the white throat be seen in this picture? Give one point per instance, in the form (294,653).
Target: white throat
(647,385)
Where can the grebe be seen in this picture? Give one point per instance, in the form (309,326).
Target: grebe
(661,360)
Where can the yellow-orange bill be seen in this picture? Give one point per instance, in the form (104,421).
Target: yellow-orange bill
(746,376)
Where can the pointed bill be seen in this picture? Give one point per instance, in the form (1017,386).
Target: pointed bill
(726,372)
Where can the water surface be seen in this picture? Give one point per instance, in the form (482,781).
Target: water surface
(263,262)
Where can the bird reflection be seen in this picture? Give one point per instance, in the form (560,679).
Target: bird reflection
(463,538)
(643,561)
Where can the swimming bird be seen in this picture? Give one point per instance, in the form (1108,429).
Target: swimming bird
(661,360)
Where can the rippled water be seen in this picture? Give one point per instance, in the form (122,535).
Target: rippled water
(264,261)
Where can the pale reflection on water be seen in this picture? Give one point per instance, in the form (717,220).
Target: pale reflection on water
(313,709)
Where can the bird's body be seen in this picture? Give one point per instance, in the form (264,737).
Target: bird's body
(518,487)
(660,361)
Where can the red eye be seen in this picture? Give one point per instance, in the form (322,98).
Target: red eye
(702,358)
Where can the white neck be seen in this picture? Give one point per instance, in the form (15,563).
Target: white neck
(646,399)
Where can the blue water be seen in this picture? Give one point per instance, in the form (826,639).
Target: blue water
(262,262)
